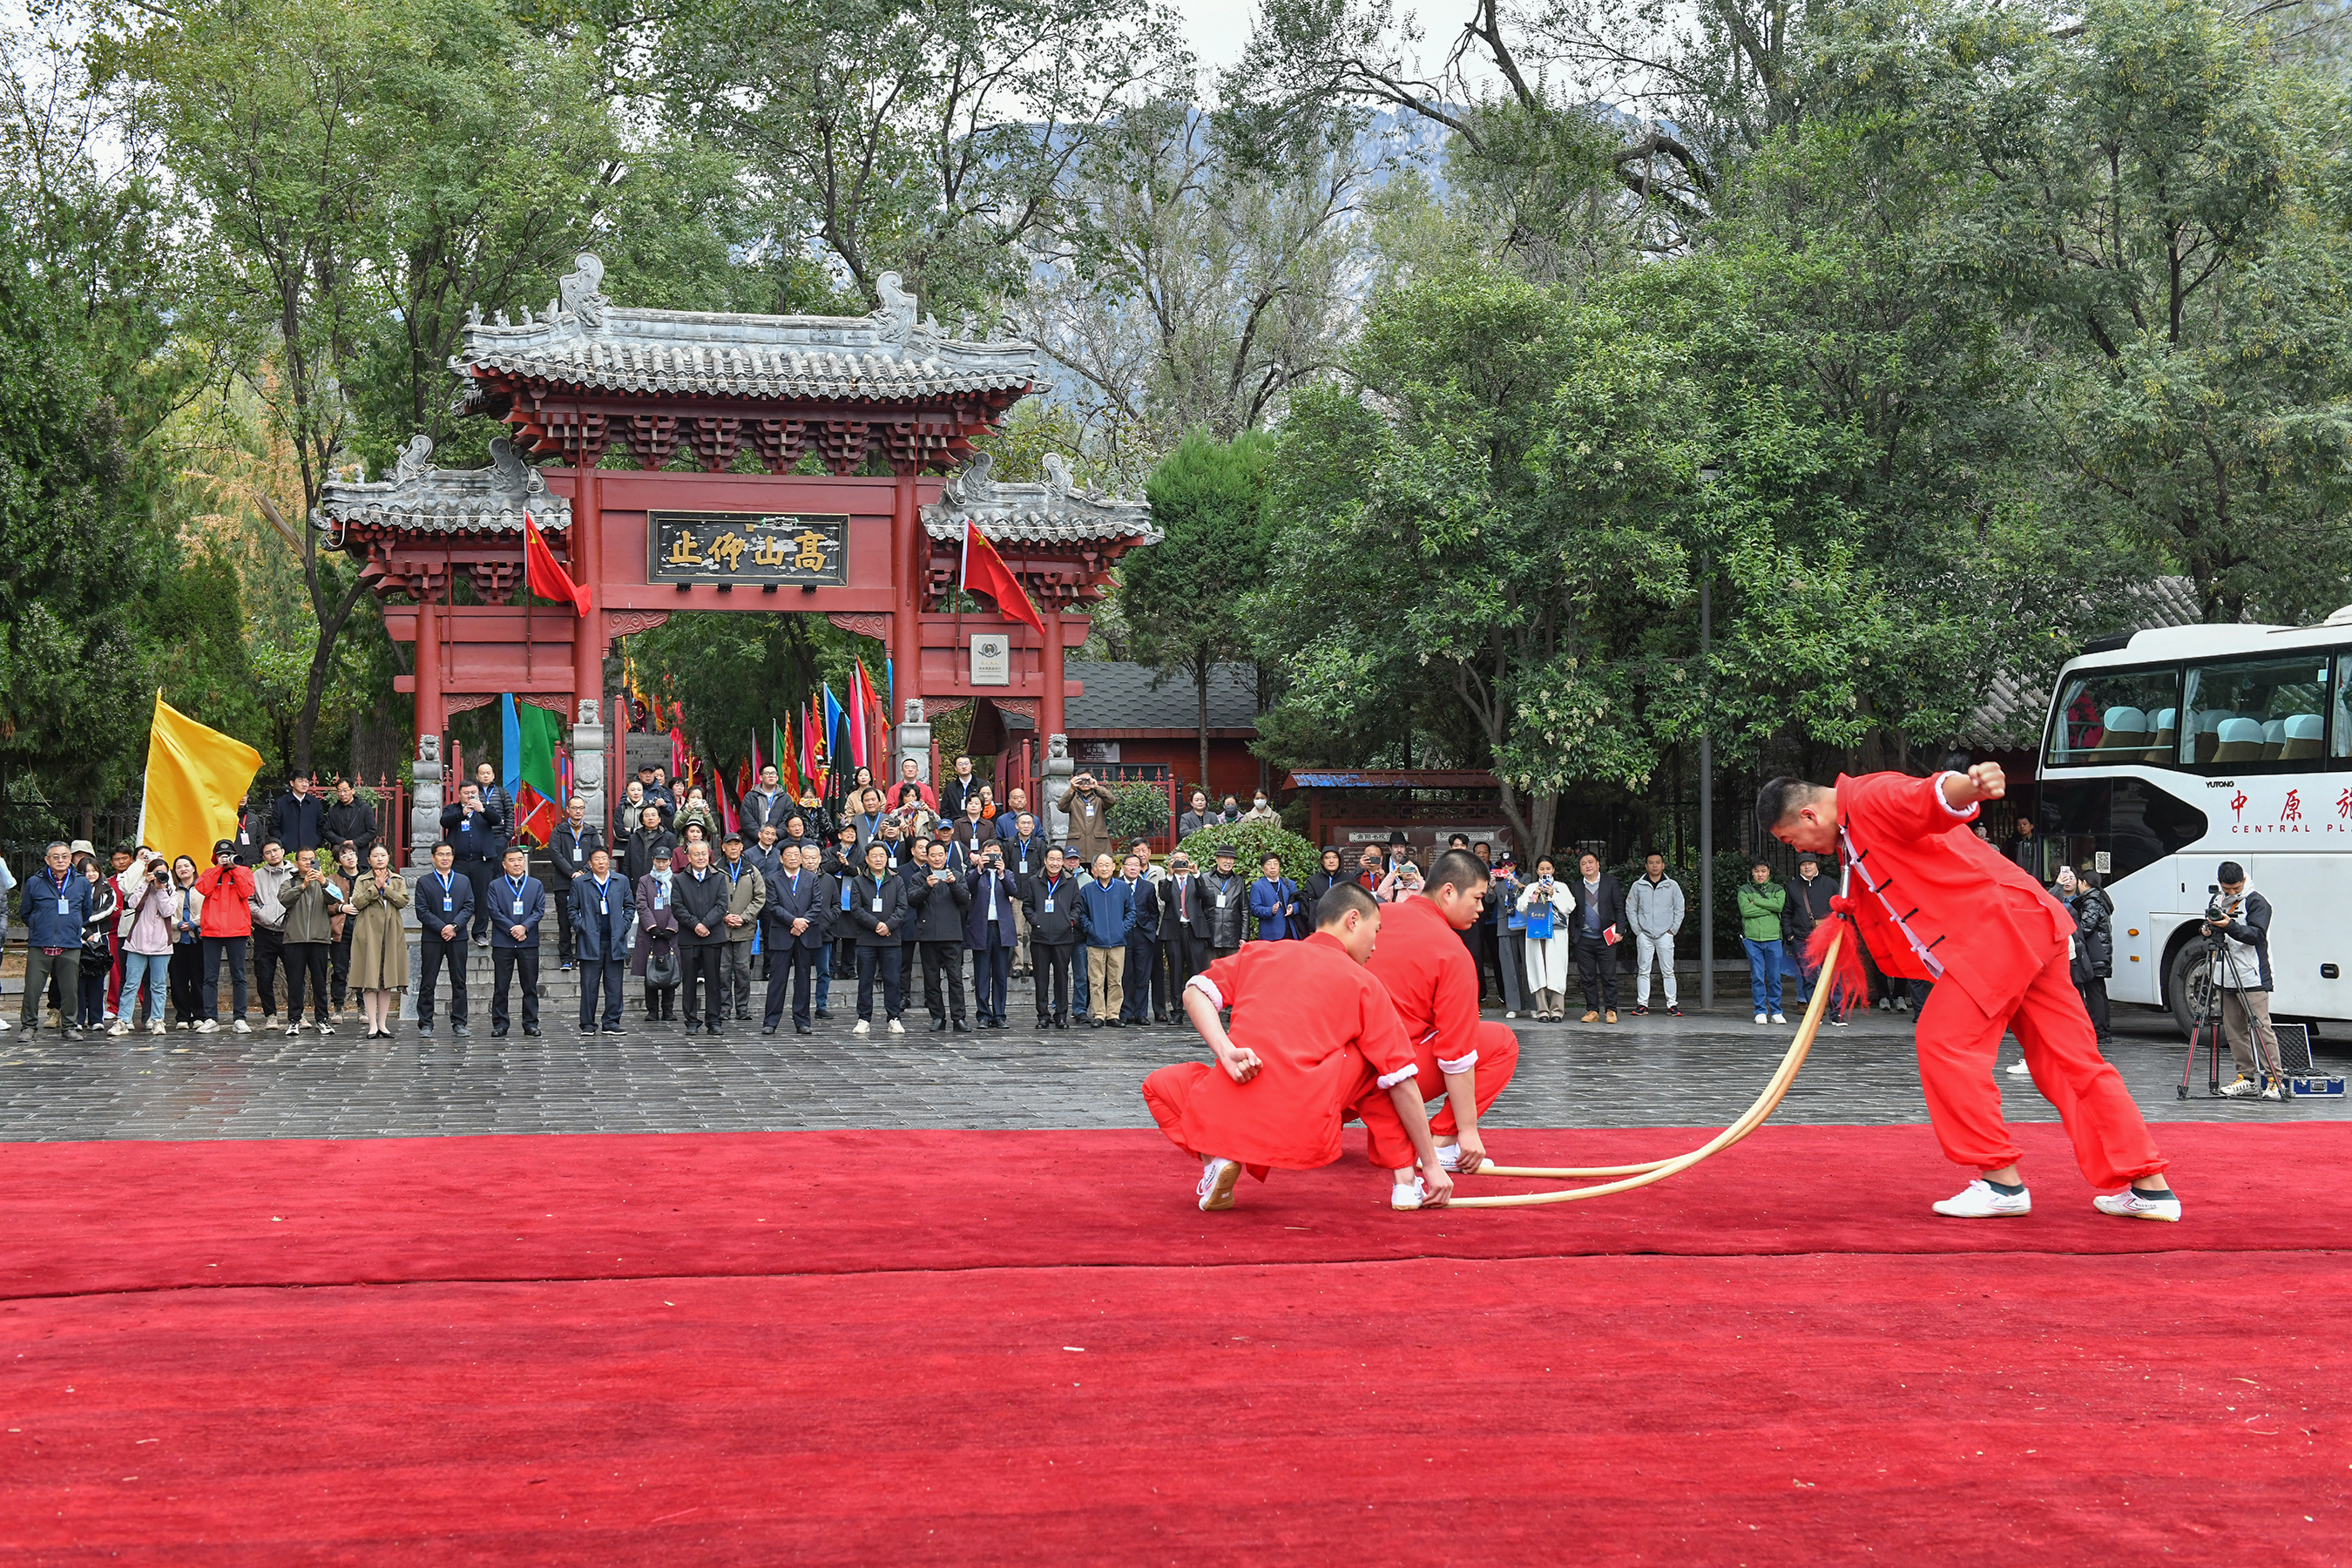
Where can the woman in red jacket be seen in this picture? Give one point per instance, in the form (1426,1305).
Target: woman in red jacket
(1934,903)
(226,925)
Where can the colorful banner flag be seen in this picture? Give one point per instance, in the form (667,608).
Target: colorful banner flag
(861,687)
(195,776)
(538,798)
(835,722)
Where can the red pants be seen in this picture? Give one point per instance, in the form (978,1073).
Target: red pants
(1498,1059)
(1959,1042)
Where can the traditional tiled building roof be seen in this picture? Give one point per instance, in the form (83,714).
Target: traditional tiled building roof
(420,497)
(1054,512)
(584,341)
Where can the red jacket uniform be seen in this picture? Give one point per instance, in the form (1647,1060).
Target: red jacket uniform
(1433,981)
(1935,903)
(1326,1033)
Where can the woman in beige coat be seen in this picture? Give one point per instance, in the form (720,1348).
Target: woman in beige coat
(379,947)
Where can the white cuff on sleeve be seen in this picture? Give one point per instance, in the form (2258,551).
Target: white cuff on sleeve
(1960,813)
(1391,1080)
(1461,1064)
(1207,987)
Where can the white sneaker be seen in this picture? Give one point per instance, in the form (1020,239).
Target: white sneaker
(183,1024)
(5,1025)
(240,1028)
(1449,1156)
(2272,1092)
(160,1027)
(1780,1017)
(1408,1194)
(1508,1013)
(1979,1201)
(2018,1070)
(326,1028)
(292,1030)
(2244,1089)
(1759,1018)
(1217,1179)
(119,1026)
(2133,1204)
(897,1027)
(861,1027)
(209,1026)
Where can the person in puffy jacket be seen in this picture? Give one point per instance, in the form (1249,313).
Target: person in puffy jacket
(226,928)
(54,904)
(1654,908)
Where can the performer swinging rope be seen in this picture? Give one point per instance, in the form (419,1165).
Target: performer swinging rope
(1659,1170)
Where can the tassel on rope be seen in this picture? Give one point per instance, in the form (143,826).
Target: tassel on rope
(1845,972)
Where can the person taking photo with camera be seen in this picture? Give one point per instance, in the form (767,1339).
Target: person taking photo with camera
(2240,917)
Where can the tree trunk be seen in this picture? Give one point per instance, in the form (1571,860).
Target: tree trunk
(1201,686)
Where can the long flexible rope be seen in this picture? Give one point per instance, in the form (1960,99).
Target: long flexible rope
(1658,1170)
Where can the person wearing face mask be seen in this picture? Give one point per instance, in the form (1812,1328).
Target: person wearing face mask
(1260,811)
(656,960)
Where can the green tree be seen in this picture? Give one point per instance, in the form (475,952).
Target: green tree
(1184,595)
(364,171)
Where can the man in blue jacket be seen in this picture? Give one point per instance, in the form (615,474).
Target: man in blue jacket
(518,903)
(476,836)
(444,902)
(793,928)
(1108,905)
(1274,899)
(602,908)
(54,906)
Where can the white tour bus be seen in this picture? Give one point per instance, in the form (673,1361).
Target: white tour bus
(2176,748)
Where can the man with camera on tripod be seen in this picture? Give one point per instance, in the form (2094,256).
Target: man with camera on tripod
(2240,918)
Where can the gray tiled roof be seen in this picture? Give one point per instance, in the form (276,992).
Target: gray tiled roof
(1054,513)
(2012,715)
(424,498)
(586,340)
(1138,697)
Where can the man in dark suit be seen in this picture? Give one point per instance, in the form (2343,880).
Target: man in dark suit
(992,931)
(602,907)
(1600,925)
(1183,925)
(700,893)
(570,849)
(793,920)
(518,903)
(445,907)
(477,837)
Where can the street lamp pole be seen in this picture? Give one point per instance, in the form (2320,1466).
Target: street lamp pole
(1705,790)
(1706,768)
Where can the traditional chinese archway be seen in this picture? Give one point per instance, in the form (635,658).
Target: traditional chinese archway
(875,552)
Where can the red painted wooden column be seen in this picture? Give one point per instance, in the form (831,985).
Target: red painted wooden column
(588,569)
(906,564)
(1049,713)
(430,720)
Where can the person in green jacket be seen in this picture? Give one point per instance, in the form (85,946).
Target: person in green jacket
(1760,903)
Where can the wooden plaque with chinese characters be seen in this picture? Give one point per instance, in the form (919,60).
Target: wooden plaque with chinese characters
(747,547)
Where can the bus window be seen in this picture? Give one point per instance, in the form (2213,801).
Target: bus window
(2109,716)
(2131,821)
(2247,713)
(2340,726)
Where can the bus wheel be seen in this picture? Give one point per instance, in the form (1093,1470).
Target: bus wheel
(2188,987)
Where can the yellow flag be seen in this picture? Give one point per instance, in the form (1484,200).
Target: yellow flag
(195,776)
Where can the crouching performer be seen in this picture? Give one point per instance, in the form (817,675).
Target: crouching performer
(1433,979)
(1314,1036)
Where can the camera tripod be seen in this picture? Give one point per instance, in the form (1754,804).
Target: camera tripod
(2208,1031)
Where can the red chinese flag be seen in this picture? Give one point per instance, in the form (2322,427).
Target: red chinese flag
(984,571)
(544,574)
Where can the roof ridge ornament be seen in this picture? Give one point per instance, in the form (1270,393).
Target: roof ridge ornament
(581,291)
(412,462)
(894,317)
(971,485)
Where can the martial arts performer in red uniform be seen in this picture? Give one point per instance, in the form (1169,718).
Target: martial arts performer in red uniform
(1933,901)
(1435,983)
(1313,1035)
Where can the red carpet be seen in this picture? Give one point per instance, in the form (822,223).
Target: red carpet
(767,1350)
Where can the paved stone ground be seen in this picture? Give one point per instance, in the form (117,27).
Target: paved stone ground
(1645,1072)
